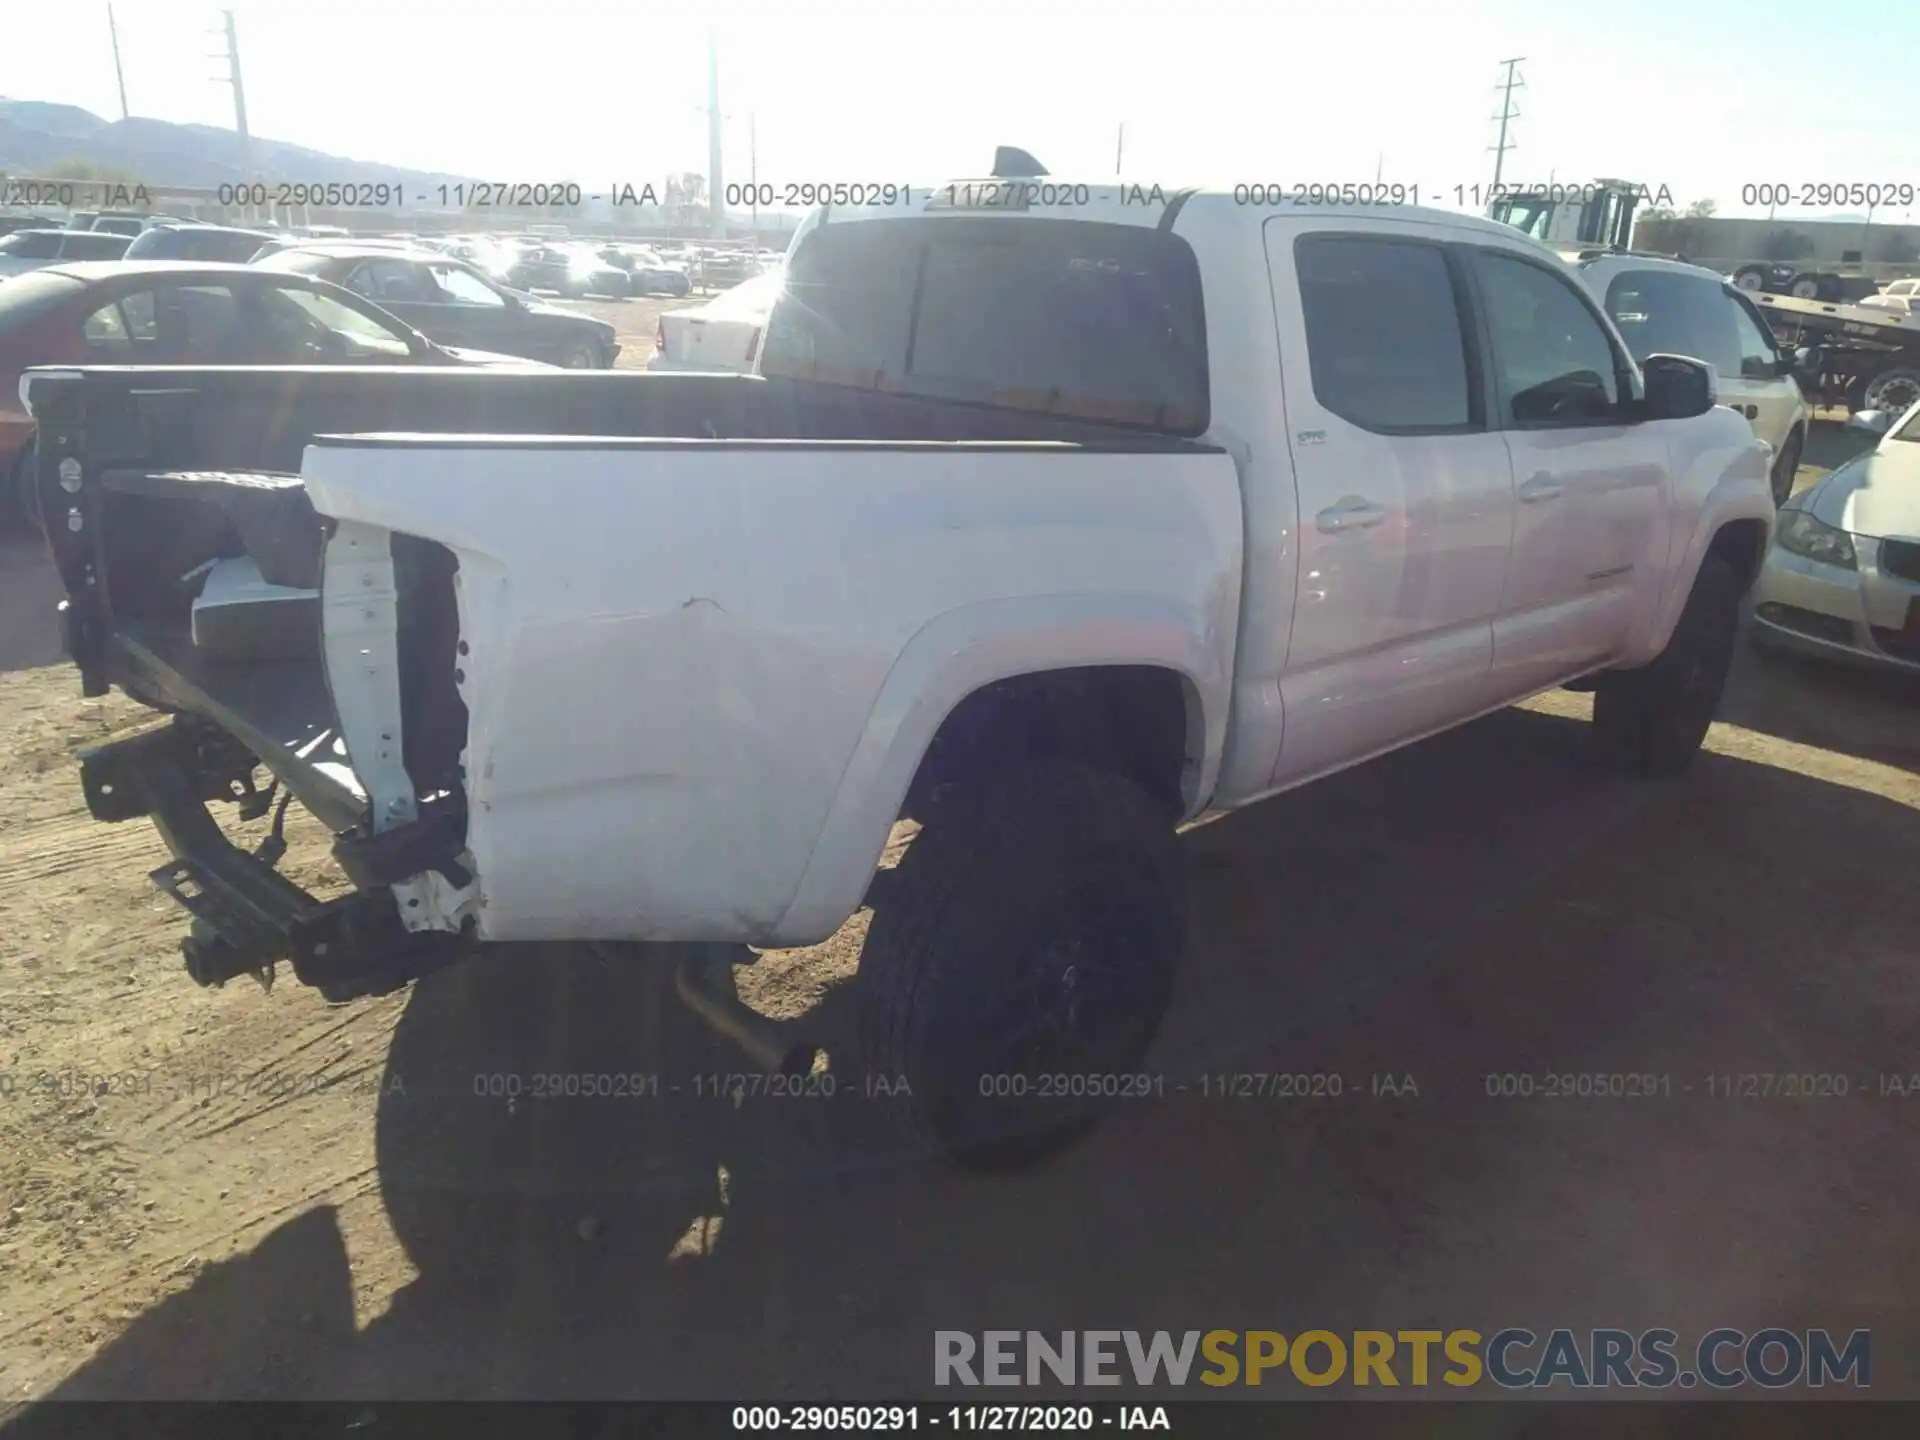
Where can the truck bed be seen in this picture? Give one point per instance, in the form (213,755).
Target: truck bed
(280,711)
(185,465)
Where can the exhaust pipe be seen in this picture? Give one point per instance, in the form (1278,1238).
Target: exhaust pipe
(703,978)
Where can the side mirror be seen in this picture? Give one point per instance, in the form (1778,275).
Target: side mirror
(1677,388)
(1871,422)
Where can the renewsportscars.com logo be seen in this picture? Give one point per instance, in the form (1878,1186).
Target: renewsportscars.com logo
(1514,1359)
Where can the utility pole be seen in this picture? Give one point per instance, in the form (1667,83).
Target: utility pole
(716,187)
(1120,147)
(119,74)
(1507,86)
(232,77)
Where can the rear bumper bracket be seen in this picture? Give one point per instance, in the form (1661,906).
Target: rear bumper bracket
(248,916)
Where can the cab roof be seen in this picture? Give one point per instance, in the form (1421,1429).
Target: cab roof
(1147,204)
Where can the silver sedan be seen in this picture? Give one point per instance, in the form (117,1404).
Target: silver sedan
(1842,577)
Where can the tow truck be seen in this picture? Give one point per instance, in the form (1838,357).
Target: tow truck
(1597,215)
(1600,214)
(1861,356)
(1866,358)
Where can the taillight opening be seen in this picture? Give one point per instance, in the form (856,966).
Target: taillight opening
(660,337)
(753,347)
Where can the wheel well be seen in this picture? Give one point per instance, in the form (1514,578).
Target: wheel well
(1140,721)
(1743,545)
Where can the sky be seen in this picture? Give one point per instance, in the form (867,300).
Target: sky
(1703,97)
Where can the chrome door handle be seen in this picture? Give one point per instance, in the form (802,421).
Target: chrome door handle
(1352,513)
(1541,487)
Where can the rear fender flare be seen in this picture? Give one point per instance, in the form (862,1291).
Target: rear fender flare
(956,654)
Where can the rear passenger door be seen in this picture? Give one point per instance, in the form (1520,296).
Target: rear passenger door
(1405,494)
(469,307)
(1590,530)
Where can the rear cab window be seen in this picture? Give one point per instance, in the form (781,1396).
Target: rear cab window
(1059,317)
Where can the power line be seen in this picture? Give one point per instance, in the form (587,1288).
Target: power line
(1506,87)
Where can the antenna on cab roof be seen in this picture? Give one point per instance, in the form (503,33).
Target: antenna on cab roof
(1010,162)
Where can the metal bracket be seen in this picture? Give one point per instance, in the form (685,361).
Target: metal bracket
(430,901)
(361,617)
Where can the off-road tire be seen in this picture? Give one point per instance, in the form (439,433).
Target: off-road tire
(1021,962)
(1651,722)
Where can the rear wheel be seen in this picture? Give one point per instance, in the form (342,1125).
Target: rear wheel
(1751,278)
(1806,287)
(1020,964)
(1891,390)
(1652,721)
(580,356)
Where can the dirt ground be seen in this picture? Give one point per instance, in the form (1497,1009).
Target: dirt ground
(193,1204)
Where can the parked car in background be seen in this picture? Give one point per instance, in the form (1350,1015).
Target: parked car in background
(11,223)
(1668,307)
(1902,296)
(648,272)
(1842,578)
(452,302)
(570,269)
(26,250)
(724,269)
(723,334)
(115,222)
(188,314)
(182,241)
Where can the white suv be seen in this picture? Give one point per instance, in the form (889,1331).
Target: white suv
(1668,307)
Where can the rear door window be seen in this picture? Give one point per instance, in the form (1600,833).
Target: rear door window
(1070,318)
(1386,345)
(174,325)
(400,282)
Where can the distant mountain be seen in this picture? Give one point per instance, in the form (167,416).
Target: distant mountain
(35,134)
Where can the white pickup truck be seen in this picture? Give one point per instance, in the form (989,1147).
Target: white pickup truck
(1051,529)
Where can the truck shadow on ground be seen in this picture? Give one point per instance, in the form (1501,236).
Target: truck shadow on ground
(1487,904)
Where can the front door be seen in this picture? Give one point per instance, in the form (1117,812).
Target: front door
(1590,532)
